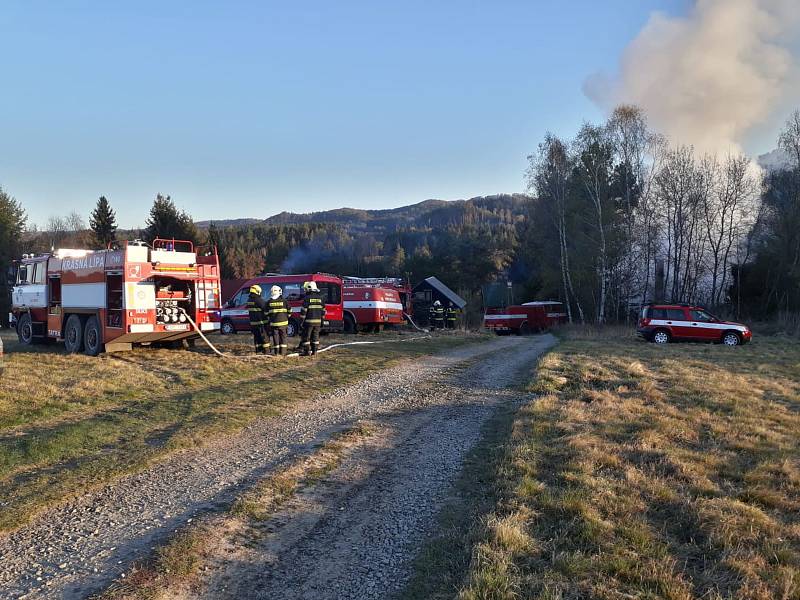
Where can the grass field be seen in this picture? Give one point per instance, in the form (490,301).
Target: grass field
(72,422)
(643,471)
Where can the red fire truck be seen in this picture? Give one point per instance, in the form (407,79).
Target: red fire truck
(524,319)
(235,316)
(114,298)
(369,305)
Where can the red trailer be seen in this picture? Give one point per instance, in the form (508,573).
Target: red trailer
(370,307)
(115,298)
(523,319)
(235,316)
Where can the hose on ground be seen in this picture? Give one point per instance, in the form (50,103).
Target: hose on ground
(296,354)
(417,327)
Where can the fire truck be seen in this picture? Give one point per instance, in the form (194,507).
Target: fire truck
(524,319)
(112,299)
(235,316)
(371,304)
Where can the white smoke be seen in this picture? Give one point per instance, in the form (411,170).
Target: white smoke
(711,77)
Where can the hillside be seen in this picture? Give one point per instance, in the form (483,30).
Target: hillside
(429,213)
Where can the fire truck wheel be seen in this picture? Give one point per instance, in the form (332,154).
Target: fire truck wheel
(525,329)
(350,324)
(73,334)
(25,329)
(92,337)
(227,327)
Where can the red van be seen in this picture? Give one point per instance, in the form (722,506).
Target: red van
(235,316)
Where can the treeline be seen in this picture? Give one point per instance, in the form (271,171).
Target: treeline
(615,217)
(621,217)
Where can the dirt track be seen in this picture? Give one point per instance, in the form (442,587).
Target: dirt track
(353,540)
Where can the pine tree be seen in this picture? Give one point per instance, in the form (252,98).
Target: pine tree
(167,222)
(12,225)
(103,223)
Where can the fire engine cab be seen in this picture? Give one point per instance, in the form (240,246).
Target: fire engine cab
(115,298)
(524,319)
(371,304)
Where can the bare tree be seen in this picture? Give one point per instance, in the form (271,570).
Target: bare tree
(593,166)
(675,184)
(548,175)
(789,140)
(726,218)
(637,152)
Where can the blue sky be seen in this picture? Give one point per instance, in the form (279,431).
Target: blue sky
(246,109)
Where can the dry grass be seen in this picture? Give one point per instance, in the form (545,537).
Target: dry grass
(650,472)
(170,573)
(71,422)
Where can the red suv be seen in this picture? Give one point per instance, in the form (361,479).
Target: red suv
(663,323)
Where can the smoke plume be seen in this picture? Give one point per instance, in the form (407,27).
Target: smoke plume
(711,77)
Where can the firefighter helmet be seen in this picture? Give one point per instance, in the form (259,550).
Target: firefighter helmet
(275,291)
(437,303)
(310,286)
(255,289)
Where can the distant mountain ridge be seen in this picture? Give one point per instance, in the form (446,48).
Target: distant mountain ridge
(498,208)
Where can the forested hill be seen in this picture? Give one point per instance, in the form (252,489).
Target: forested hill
(496,209)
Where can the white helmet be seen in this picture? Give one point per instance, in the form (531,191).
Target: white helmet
(437,303)
(310,286)
(275,292)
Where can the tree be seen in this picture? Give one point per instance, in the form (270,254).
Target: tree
(593,168)
(167,222)
(548,175)
(12,225)
(103,223)
(789,140)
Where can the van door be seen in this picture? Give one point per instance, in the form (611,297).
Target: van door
(237,310)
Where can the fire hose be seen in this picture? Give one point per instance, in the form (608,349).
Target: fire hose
(295,354)
(417,327)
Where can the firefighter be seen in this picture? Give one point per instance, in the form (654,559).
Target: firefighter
(278,312)
(257,309)
(436,315)
(451,314)
(313,312)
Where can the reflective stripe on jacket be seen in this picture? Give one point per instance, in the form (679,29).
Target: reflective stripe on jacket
(278,311)
(256,307)
(313,309)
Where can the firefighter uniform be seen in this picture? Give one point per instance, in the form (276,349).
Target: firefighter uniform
(451,315)
(436,315)
(313,312)
(257,307)
(278,312)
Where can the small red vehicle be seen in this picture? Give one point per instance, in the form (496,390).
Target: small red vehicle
(369,307)
(235,316)
(524,319)
(664,323)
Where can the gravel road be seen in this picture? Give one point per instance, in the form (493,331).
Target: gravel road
(360,548)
